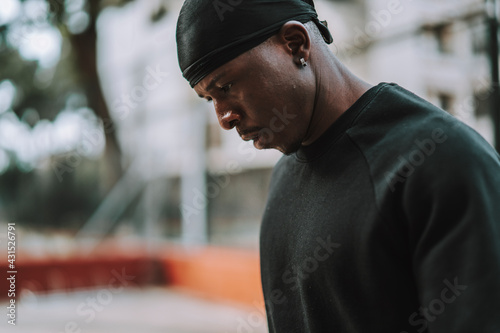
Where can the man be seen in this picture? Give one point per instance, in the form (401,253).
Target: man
(384,213)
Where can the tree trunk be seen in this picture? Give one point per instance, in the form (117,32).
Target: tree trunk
(84,48)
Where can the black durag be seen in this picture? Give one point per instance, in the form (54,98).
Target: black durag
(212,32)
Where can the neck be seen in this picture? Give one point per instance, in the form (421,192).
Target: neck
(337,89)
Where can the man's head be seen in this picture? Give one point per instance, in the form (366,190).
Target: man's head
(258,84)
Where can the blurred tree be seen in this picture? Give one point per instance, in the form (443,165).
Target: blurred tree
(76,71)
(83,43)
(40,198)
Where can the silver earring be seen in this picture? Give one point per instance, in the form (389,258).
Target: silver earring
(303,62)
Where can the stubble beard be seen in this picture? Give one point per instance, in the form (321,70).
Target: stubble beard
(290,148)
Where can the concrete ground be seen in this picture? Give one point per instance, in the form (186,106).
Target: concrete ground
(147,310)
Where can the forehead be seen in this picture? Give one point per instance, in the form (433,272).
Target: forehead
(233,67)
(246,63)
(210,80)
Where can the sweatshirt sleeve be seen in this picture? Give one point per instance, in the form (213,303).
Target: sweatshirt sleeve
(451,204)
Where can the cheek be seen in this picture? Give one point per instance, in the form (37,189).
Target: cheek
(266,96)
(257,102)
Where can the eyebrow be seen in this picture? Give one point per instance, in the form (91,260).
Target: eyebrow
(213,82)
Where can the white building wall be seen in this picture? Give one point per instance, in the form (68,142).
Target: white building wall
(380,40)
(162,124)
(406,51)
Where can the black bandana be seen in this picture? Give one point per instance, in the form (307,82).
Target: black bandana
(212,32)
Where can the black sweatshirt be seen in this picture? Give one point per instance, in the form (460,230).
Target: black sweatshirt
(389,222)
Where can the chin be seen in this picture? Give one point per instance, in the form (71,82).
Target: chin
(288,152)
(285,148)
(289,149)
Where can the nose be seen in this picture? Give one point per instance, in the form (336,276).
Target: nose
(228,118)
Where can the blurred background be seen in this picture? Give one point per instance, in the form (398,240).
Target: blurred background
(133,210)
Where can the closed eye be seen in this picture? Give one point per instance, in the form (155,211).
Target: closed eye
(226,88)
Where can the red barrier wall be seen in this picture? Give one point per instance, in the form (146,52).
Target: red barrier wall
(221,273)
(217,273)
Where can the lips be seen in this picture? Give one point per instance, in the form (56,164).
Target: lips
(249,137)
(249,134)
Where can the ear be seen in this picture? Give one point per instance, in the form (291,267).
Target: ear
(294,37)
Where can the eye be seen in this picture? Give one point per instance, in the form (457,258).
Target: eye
(226,87)
(209,99)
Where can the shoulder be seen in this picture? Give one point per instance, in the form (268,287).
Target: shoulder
(408,141)
(398,125)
